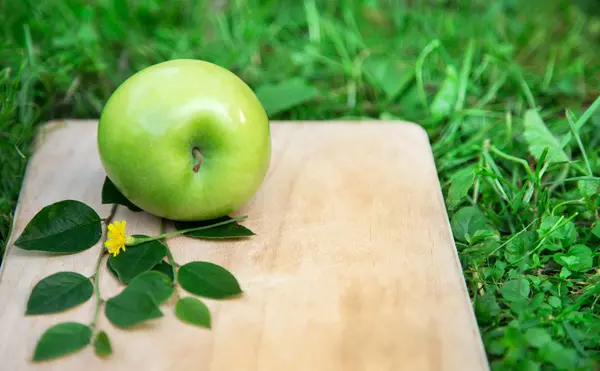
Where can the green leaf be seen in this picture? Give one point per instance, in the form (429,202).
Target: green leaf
(62,339)
(515,290)
(589,7)
(484,234)
(564,273)
(486,308)
(517,247)
(562,358)
(496,347)
(157,284)
(111,269)
(596,229)
(388,76)
(537,300)
(527,365)
(63,227)
(102,345)
(514,338)
(554,302)
(193,311)
(537,337)
(58,292)
(538,137)
(544,310)
(229,230)
(137,259)
(563,236)
(467,221)
(280,97)
(208,280)
(535,260)
(579,258)
(131,307)
(498,270)
(445,99)
(482,249)
(460,184)
(6,144)
(587,188)
(111,195)
(165,268)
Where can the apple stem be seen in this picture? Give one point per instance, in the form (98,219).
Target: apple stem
(198,156)
(181,231)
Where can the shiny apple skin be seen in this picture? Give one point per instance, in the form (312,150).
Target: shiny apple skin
(153,121)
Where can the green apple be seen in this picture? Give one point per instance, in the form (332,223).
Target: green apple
(185,140)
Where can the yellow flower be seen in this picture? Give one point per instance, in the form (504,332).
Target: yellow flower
(117,239)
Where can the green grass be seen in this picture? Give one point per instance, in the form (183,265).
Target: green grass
(504,88)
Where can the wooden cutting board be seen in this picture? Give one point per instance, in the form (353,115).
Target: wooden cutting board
(353,266)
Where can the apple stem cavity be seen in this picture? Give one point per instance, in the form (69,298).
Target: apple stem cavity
(198,156)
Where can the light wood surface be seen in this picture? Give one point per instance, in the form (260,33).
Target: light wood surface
(353,266)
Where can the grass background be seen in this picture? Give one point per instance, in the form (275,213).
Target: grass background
(506,89)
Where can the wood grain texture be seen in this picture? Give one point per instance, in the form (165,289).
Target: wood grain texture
(353,266)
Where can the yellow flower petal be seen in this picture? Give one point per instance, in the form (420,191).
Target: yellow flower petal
(116,237)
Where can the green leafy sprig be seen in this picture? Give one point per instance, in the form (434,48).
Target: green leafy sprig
(146,267)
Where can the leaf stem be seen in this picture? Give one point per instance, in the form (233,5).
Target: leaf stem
(169,253)
(434,44)
(513,237)
(559,224)
(506,156)
(96,275)
(99,300)
(173,264)
(579,143)
(582,300)
(578,201)
(587,178)
(138,241)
